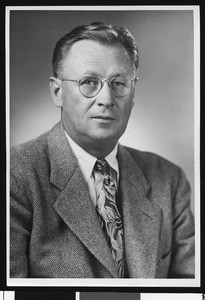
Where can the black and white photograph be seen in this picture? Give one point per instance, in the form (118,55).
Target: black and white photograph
(103,120)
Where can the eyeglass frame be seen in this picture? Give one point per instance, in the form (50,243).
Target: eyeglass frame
(102,83)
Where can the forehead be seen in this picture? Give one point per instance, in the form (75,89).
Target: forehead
(92,57)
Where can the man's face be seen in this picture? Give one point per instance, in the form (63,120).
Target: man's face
(103,118)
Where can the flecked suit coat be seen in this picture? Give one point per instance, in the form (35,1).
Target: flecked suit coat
(54,228)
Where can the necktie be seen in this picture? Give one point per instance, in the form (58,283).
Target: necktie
(106,207)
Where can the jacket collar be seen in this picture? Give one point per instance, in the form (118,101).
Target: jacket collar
(62,159)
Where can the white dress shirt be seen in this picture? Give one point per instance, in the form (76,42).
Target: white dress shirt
(86,163)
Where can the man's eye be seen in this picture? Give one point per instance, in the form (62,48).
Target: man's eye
(118,83)
(89,81)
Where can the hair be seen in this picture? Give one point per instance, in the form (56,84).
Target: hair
(99,32)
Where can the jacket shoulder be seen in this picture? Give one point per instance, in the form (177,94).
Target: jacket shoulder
(145,158)
(29,148)
(29,156)
(153,165)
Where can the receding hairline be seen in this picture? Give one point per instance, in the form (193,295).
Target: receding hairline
(116,45)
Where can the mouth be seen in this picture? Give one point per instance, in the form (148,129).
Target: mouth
(101,117)
(104,119)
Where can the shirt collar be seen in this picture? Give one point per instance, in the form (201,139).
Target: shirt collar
(87,161)
(112,159)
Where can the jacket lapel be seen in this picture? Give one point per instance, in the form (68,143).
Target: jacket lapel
(141,219)
(74,204)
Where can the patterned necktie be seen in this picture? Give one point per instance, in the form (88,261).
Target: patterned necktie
(106,206)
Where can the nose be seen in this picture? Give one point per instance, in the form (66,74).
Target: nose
(105,97)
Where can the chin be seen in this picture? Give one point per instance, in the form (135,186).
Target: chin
(105,137)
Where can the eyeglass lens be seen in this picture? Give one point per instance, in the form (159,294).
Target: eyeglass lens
(91,86)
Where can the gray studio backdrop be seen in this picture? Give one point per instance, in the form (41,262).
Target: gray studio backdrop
(162,120)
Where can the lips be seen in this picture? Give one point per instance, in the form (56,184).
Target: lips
(104,120)
(104,117)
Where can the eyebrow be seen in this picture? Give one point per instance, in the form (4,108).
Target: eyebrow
(90,73)
(94,74)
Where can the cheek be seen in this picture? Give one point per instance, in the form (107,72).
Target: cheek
(126,110)
(76,109)
(70,102)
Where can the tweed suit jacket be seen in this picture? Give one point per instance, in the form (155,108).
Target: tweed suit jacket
(54,228)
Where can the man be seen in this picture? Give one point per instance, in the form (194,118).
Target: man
(82,205)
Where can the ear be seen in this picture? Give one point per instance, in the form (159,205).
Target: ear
(56,90)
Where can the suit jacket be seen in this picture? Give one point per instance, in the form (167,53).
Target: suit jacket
(54,228)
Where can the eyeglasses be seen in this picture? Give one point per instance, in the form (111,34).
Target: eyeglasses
(90,86)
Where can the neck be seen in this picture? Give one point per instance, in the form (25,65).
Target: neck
(98,152)
(99,149)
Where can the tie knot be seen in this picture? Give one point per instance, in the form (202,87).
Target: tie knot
(102,166)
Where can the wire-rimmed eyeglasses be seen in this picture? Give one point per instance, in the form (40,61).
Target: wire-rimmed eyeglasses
(90,86)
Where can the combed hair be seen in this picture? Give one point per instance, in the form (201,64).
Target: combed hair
(99,32)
